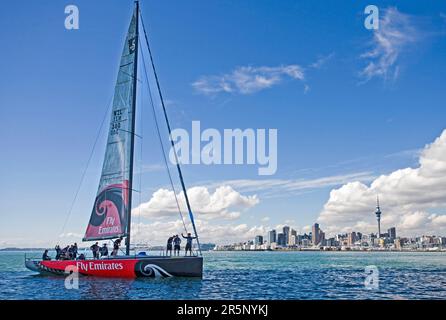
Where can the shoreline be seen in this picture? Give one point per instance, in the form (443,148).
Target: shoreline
(351,250)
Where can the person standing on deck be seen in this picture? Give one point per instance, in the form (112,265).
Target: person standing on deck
(116,245)
(169,246)
(176,245)
(70,253)
(189,239)
(95,249)
(58,252)
(75,251)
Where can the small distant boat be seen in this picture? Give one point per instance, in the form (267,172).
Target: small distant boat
(111,214)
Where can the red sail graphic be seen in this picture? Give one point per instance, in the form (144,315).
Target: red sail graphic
(108,219)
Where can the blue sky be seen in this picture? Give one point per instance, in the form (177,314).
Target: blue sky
(335,124)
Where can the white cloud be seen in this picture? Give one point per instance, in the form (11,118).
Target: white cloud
(406,195)
(156,233)
(246,80)
(225,203)
(396,31)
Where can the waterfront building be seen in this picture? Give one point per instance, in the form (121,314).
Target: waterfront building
(286,232)
(331,242)
(381,242)
(258,240)
(321,238)
(398,244)
(281,240)
(392,233)
(292,237)
(293,240)
(317,235)
(351,239)
(272,237)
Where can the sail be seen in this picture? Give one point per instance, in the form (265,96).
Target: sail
(112,206)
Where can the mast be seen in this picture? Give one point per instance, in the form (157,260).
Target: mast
(180,174)
(132,143)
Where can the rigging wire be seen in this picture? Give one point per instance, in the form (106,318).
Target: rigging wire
(161,143)
(87,165)
(170,137)
(140,159)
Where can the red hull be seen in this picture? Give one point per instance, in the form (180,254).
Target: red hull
(124,268)
(127,267)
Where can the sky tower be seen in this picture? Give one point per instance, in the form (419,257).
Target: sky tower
(378,216)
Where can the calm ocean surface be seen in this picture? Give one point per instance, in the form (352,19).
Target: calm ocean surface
(252,275)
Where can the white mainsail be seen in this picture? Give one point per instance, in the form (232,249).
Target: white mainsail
(109,217)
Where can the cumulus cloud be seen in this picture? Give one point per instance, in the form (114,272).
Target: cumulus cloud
(396,31)
(224,202)
(157,232)
(247,79)
(406,195)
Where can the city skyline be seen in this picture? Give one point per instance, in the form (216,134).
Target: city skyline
(291,239)
(354,240)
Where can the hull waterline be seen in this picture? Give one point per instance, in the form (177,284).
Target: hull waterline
(123,267)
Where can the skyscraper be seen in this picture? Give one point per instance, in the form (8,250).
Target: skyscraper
(286,232)
(258,240)
(392,233)
(351,238)
(272,237)
(281,241)
(315,234)
(378,216)
(292,237)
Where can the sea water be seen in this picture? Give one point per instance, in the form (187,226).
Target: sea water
(252,275)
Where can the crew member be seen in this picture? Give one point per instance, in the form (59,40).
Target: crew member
(45,256)
(176,245)
(95,249)
(74,251)
(169,246)
(116,245)
(189,239)
(58,252)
